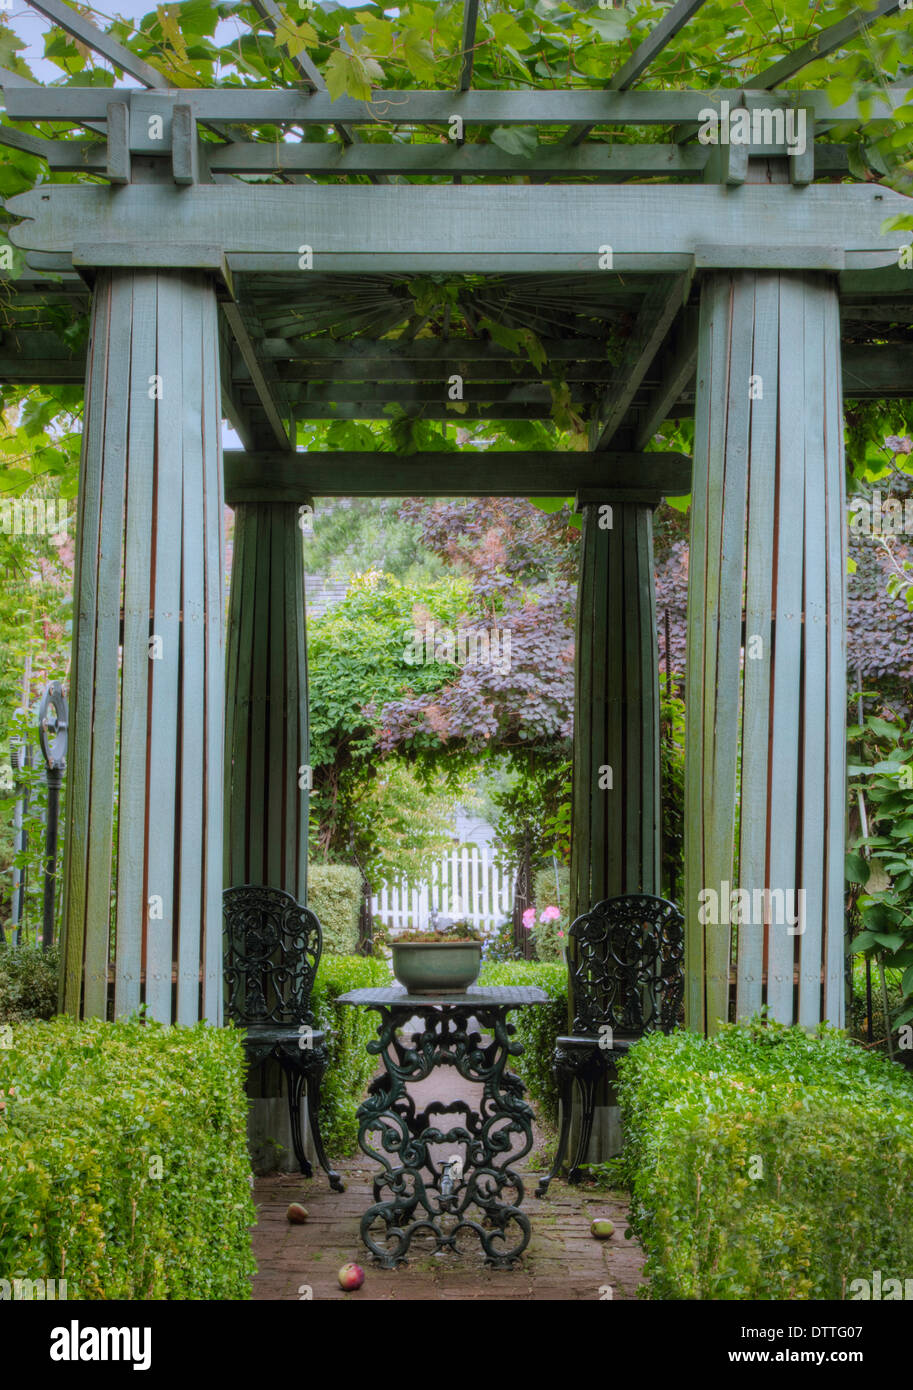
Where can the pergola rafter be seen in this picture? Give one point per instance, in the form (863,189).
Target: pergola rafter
(553,282)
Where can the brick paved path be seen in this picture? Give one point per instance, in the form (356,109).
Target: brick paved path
(562,1260)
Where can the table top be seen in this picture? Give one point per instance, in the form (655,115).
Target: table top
(477,996)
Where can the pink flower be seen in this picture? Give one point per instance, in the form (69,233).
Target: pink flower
(529,917)
(551,914)
(561,934)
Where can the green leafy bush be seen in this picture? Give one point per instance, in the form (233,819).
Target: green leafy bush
(550,938)
(349,1031)
(537,1028)
(334,893)
(767,1163)
(123,1154)
(28,982)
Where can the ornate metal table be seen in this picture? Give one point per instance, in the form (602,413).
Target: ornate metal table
(415,1195)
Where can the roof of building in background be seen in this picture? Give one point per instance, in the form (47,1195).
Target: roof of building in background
(470,829)
(322,594)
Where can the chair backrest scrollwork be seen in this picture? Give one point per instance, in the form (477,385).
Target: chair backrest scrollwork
(272,949)
(626,964)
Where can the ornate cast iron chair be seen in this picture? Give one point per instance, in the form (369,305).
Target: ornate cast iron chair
(626,975)
(272,949)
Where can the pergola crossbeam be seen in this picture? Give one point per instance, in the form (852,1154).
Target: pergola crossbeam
(475,229)
(265,476)
(254,105)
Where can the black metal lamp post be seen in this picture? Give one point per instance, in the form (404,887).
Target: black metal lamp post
(52,734)
(21,761)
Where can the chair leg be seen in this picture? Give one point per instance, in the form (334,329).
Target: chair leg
(313,1094)
(588,1084)
(294,1085)
(566,1096)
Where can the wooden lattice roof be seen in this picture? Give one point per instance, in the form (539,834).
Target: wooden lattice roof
(429,260)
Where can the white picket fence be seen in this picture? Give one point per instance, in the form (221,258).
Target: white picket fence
(467,884)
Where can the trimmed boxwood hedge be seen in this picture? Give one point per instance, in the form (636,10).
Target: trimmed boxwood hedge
(537,1028)
(349,1031)
(334,893)
(123,1160)
(767,1163)
(28,982)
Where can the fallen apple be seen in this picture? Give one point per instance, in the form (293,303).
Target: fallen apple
(602,1228)
(297,1214)
(351,1277)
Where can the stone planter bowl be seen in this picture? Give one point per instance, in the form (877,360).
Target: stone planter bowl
(436,967)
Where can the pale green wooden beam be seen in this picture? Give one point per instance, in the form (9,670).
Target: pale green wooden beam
(238,416)
(313,78)
(537,393)
(592,160)
(871,371)
(655,316)
(256,106)
(423,352)
(10,81)
(386,370)
(877,371)
(262,373)
(672,23)
(469,473)
(42,149)
(380,410)
(677,374)
(81,28)
(430,229)
(826,41)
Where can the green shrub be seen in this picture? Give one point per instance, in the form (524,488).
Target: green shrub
(334,893)
(767,1163)
(537,1027)
(550,938)
(28,982)
(350,1029)
(123,1155)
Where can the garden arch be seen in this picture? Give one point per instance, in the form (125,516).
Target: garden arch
(210,295)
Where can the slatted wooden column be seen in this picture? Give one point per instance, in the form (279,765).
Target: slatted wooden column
(615,842)
(266,760)
(767,541)
(266,753)
(149,547)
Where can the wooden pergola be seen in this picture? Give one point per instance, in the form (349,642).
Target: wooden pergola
(752,285)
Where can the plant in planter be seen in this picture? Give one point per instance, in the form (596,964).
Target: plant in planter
(441,959)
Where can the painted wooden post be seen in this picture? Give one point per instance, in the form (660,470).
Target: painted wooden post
(766,653)
(149,545)
(267,772)
(615,838)
(266,735)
